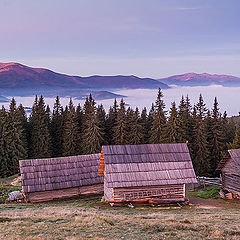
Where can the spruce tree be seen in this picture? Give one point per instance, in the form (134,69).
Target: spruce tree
(173,132)
(79,114)
(215,138)
(230,131)
(236,141)
(200,153)
(15,146)
(145,125)
(25,135)
(111,122)
(185,117)
(201,107)
(135,134)
(159,120)
(56,128)
(120,133)
(101,117)
(39,123)
(71,141)
(92,134)
(11,144)
(4,156)
(150,122)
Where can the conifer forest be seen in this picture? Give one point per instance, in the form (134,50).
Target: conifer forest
(75,130)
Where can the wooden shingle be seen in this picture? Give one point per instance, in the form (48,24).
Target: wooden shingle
(148,165)
(59,173)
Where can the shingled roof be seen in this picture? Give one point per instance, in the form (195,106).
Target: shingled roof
(148,164)
(59,173)
(233,154)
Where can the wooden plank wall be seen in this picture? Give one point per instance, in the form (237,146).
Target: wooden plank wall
(231,182)
(108,192)
(164,192)
(63,193)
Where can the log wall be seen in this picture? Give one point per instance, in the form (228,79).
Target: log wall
(162,192)
(231,182)
(63,193)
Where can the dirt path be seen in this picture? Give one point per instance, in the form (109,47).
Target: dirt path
(214,203)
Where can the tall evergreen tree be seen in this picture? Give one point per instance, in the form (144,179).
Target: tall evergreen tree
(56,128)
(230,131)
(145,125)
(25,135)
(80,117)
(200,153)
(149,125)
(71,141)
(173,132)
(215,138)
(201,107)
(92,133)
(134,127)
(224,129)
(15,145)
(236,141)
(101,117)
(40,137)
(11,144)
(120,134)
(4,156)
(159,120)
(185,117)
(111,122)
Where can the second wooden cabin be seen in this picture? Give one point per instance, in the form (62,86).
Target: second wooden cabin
(53,178)
(230,168)
(149,171)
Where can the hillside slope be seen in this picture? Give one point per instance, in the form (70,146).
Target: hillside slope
(15,75)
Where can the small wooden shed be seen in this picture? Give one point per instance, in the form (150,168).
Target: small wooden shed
(52,178)
(230,169)
(149,171)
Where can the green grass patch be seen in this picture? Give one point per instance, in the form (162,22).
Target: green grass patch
(208,192)
(7,180)
(5,190)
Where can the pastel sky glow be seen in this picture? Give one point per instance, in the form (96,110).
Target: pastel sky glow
(147,38)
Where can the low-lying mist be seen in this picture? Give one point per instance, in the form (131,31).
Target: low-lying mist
(228,98)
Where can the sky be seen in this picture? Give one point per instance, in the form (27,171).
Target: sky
(147,38)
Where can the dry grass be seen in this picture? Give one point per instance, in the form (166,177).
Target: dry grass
(82,220)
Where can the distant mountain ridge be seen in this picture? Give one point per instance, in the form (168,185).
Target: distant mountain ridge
(201,79)
(15,75)
(18,77)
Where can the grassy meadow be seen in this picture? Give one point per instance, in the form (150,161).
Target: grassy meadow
(89,218)
(84,219)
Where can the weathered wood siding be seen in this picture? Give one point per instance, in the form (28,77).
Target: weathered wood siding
(108,192)
(164,192)
(231,174)
(63,193)
(231,182)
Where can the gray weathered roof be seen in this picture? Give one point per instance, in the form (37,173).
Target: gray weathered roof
(148,164)
(235,153)
(59,173)
(231,162)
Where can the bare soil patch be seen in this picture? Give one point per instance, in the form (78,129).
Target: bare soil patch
(214,203)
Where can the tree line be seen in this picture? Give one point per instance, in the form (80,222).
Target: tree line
(84,129)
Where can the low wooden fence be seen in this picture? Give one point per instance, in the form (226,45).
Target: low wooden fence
(206,181)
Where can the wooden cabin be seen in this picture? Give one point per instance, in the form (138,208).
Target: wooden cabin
(230,172)
(146,172)
(53,178)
